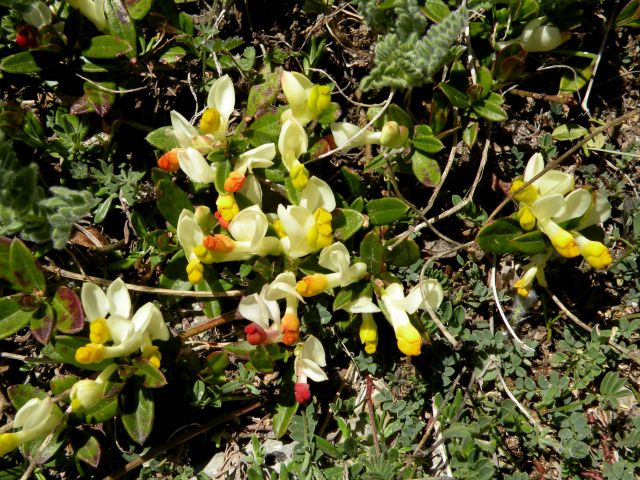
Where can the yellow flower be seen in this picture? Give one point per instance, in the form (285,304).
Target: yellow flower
(595,253)
(526,218)
(312,285)
(227,206)
(99,331)
(409,340)
(299,175)
(210,121)
(195,271)
(90,353)
(369,333)
(528,195)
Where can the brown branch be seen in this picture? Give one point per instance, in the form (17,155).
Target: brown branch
(209,324)
(140,288)
(562,99)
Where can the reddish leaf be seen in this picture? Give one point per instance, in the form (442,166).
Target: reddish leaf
(68,310)
(42,327)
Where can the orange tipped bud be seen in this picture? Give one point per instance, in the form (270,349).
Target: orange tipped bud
(290,328)
(234,182)
(169,161)
(218,243)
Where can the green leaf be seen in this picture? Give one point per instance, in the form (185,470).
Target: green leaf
(138,9)
(263,95)
(455,96)
(353,180)
(12,317)
(405,254)
(384,211)
(484,81)
(218,361)
(171,200)
(286,407)
(24,268)
(350,293)
(265,129)
(261,359)
(27,62)
(98,98)
(470,134)
(240,349)
(346,223)
(108,47)
(89,452)
(497,236)
(326,447)
(222,172)
(42,324)
(530,243)
(568,132)
(490,108)
(137,413)
(62,349)
(68,310)
(103,411)
(163,139)
(372,253)
(173,55)
(426,169)
(62,383)
(425,141)
(435,10)
(151,376)
(120,23)
(629,16)
(21,394)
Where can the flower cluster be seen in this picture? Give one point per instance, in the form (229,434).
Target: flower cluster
(553,206)
(297,227)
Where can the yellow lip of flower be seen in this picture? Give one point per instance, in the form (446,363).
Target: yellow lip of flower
(9,442)
(227,206)
(320,235)
(90,353)
(210,121)
(279,228)
(299,175)
(195,271)
(369,333)
(528,195)
(152,353)
(409,340)
(595,253)
(99,331)
(564,243)
(312,285)
(319,99)
(526,218)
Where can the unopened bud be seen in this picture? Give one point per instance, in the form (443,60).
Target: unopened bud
(394,135)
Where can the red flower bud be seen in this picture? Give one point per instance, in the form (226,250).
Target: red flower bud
(27,37)
(255,334)
(302,392)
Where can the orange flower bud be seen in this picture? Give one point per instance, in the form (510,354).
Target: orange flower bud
(290,328)
(234,182)
(218,243)
(169,161)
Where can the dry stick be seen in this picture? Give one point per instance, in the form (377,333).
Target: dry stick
(562,99)
(139,288)
(501,311)
(618,348)
(562,158)
(154,452)
(598,58)
(440,439)
(209,324)
(372,415)
(463,203)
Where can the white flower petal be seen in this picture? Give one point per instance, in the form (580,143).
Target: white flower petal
(194,165)
(250,225)
(347,136)
(94,301)
(189,232)
(259,157)
(312,371)
(292,142)
(183,130)
(534,166)
(313,350)
(157,328)
(253,308)
(222,97)
(554,182)
(252,190)
(295,87)
(578,203)
(317,194)
(33,414)
(119,300)
(550,206)
(120,328)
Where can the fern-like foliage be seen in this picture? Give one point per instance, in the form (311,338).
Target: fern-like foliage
(405,58)
(65,208)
